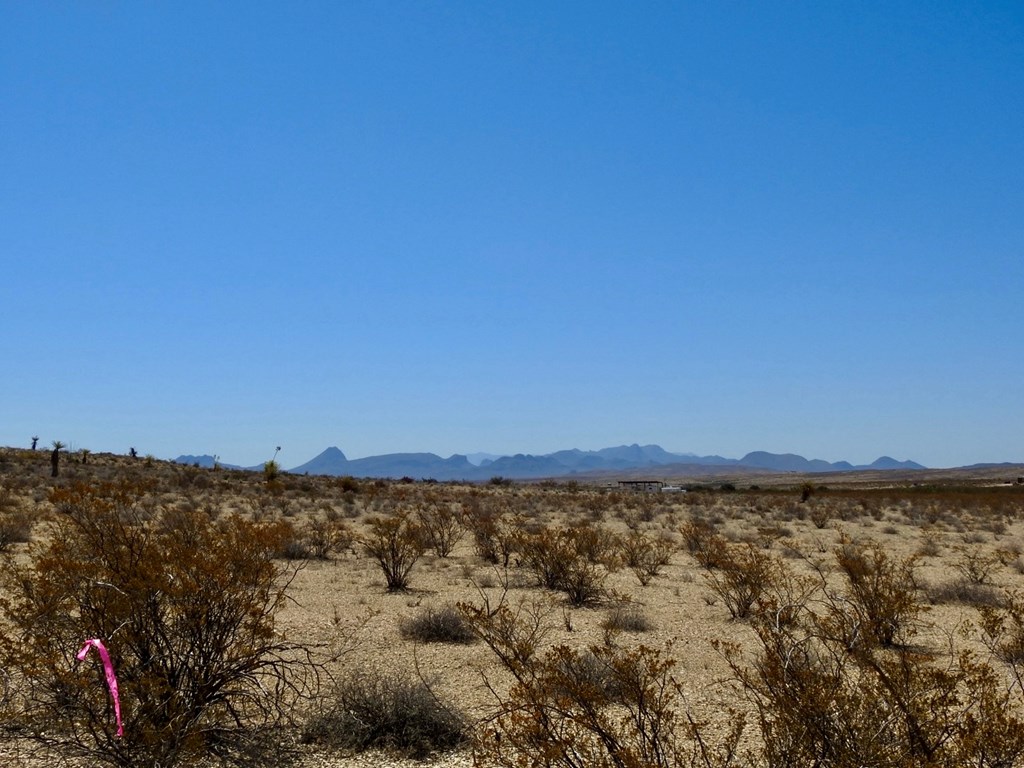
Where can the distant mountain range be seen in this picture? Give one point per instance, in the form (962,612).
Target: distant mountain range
(559,464)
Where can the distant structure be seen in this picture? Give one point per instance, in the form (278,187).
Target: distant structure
(641,486)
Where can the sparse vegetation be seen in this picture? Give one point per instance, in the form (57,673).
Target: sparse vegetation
(875,626)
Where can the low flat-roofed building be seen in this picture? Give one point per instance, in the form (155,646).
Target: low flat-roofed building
(641,486)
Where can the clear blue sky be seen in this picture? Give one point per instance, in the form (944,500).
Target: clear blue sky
(514,227)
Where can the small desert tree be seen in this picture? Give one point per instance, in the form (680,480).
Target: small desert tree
(186,607)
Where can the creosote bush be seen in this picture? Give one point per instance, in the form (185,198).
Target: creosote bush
(883,590)
(396,543)
(742,575)
(646,556)
(829,689)
(187,611)
(601,706)
(15,524)
(704,543)
(575,561)
(442,527)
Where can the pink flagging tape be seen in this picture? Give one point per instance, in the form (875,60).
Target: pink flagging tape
(108,668)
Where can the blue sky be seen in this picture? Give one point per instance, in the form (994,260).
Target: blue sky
(514,227)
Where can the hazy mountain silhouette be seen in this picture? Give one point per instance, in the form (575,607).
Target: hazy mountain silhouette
(887,462)
(416,465)
(558,464)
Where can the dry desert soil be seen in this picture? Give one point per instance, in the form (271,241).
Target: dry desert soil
(954,528)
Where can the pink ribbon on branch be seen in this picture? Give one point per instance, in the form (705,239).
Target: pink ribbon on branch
(108,669)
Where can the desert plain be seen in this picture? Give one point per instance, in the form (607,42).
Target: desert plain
(959,534)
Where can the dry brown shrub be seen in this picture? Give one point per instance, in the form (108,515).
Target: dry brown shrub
(646,556)
(442,527)
(828,692)
(883,590)
(743,575)
(187,611)
(708,548)
(602,706)
(574,560)
(396,543)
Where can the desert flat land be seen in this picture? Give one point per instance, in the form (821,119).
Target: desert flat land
(960,534)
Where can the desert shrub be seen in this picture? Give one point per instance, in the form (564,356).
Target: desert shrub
(387,712)
(820,515)
(644,556)
(326,536)
(348,484)
(1003,628)
(882,589)
(742,576)
(626,617)
(930,545)
(596,707)
(442,527)
(442,625)
(574,708)
(976,566)
(513,632)
(15,527)
(396,543)
(292,545)
(494,535)
(707,547)
(575,561)
(823,700)
(188,614)
(964,591)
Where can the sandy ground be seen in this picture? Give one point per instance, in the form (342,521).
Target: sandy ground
(341,606)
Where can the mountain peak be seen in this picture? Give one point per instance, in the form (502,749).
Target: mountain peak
(480,466)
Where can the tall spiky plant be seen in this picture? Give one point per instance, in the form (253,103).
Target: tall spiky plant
(55,458)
